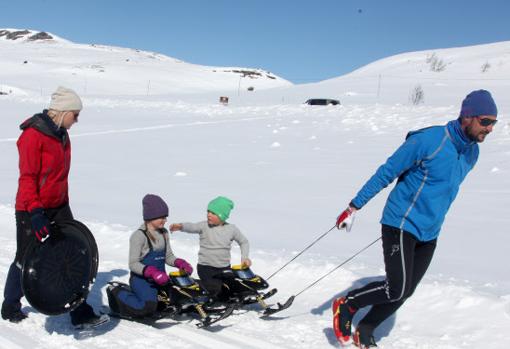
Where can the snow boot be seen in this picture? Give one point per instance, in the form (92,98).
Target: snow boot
(111,293)
(14,316)
(84,316)
(342,320)
(363,338)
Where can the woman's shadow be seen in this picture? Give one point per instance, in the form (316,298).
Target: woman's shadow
(61,324)
(381,331)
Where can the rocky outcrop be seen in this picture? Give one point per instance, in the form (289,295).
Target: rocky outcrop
(24,34)
(15,35)
(40,36)
(252,74)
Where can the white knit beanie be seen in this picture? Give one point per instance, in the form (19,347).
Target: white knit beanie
(65,99)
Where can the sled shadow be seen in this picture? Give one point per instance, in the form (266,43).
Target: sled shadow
(381,331)
(260,312)
(61,324)
(192,318)
(215,328)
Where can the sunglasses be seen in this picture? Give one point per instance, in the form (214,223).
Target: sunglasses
(75,116)
(485,122)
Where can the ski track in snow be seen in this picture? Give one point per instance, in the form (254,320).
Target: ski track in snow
(14,339)
(16,336)
(185,330)
(216,339)
(157,127)
(160,127)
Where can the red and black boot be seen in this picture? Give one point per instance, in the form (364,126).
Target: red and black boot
(342,320)
(363,338)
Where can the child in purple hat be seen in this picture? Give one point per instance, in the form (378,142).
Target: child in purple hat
(149,251)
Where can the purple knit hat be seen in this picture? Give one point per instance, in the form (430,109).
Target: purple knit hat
(154,207)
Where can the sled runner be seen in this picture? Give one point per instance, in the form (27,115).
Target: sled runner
(56,274)
(244,287)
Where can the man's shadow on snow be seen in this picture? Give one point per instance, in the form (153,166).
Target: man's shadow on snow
(381,331)
(61,324)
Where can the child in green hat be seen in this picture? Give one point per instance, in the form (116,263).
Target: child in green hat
(216,236)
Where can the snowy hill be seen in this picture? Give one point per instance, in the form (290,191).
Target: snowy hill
(94,69)
(290,169)
(440,74)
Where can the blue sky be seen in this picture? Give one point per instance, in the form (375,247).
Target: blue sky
(302,41)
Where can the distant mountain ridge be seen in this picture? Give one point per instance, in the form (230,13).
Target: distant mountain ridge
(35,61)
(24,35)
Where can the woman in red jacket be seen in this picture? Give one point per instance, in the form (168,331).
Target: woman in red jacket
(44,161)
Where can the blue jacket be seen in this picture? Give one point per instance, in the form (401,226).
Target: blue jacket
(430,166)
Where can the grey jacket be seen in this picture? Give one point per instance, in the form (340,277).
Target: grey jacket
(216,242)
(139,248)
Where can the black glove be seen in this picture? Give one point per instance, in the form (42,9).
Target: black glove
(40,224)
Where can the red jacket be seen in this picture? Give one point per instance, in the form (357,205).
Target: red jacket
(44,161)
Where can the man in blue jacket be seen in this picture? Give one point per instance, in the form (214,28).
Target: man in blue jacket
(430,166)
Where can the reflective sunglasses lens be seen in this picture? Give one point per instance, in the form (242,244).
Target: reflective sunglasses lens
(487,122)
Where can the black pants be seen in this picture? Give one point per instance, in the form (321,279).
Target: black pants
(212,278)
(13,291)
(406,260)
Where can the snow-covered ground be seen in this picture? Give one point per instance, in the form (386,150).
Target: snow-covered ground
(290,169)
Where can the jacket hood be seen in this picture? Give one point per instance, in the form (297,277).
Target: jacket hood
(43,123)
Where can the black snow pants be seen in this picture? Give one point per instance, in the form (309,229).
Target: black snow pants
(406,260)
(212,278)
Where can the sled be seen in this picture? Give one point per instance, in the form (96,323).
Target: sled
(56,274)
(181,295)
(243,287)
